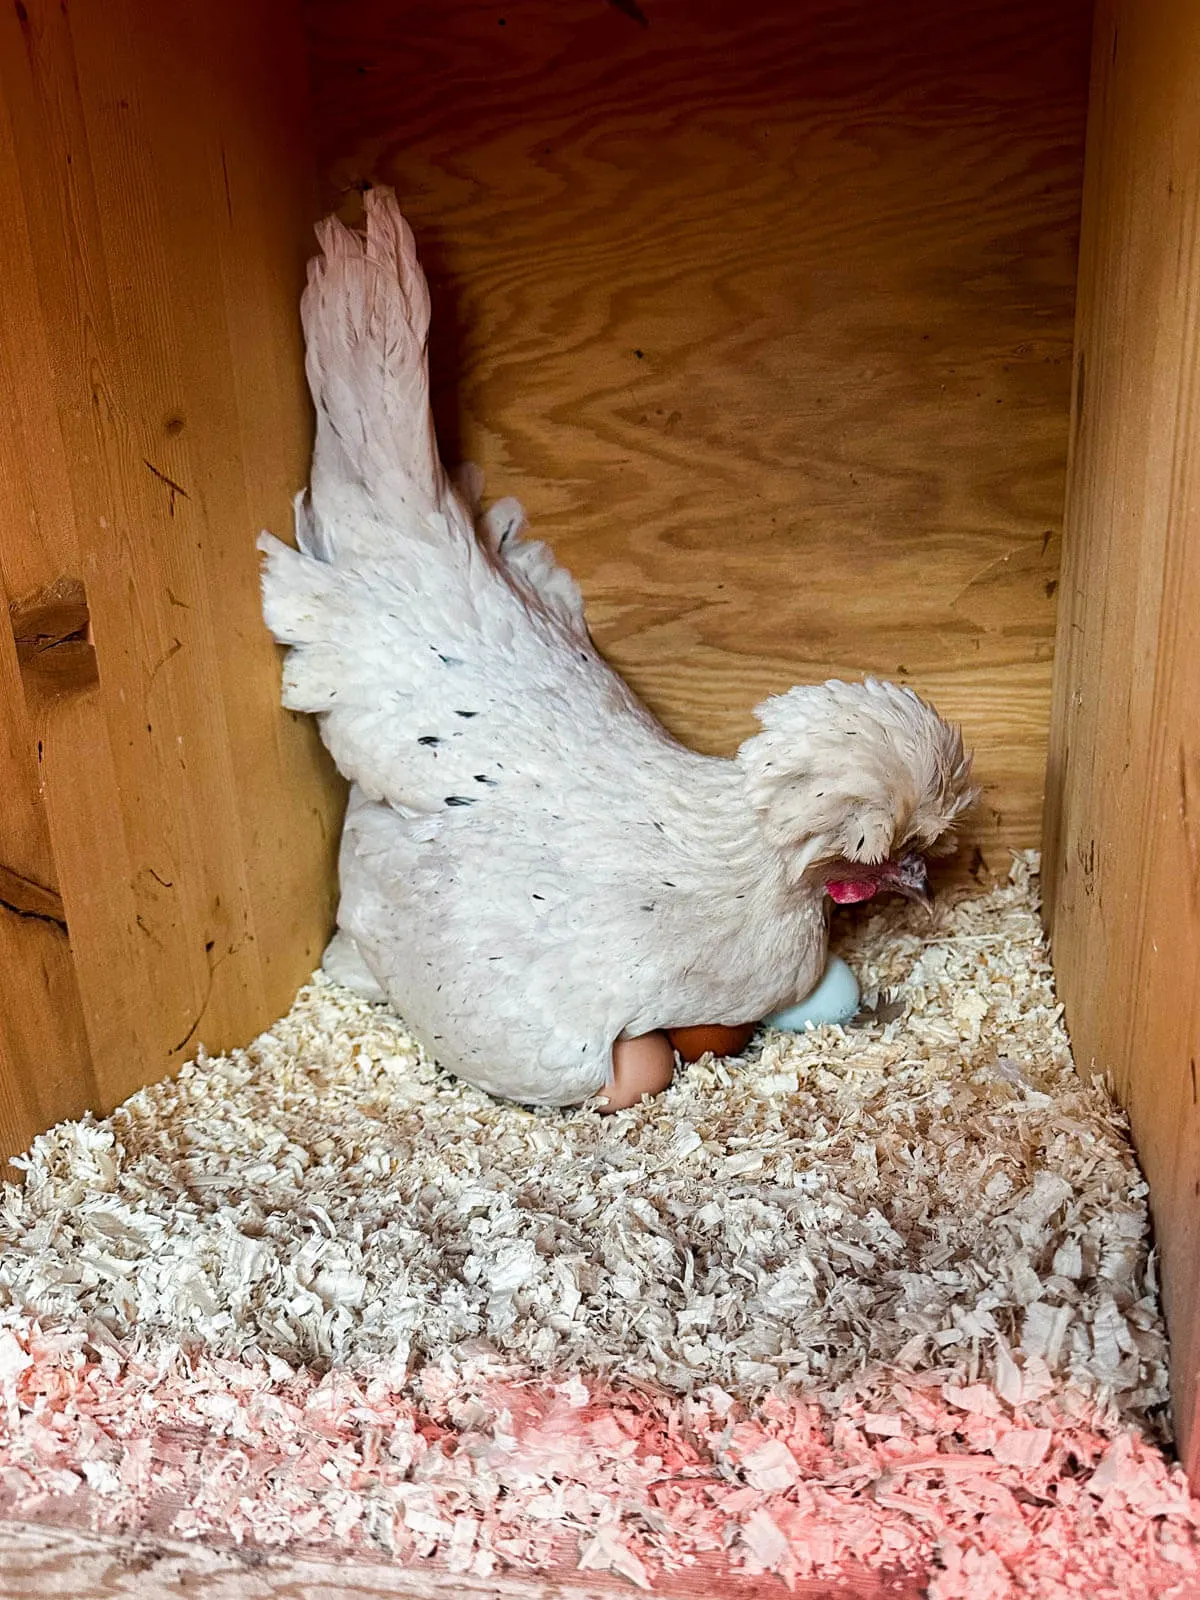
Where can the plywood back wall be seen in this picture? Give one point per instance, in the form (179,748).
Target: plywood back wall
(765,312)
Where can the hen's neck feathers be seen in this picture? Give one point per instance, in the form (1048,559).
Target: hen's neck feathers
(710,839)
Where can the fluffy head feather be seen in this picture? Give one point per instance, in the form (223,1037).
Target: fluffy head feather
(855,775)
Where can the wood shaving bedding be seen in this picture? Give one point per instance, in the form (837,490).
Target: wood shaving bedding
(929,1229)
(481,1470)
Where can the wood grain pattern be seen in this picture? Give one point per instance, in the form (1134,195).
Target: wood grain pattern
(37,1560)
(1123,823)
(45,1063)
(155,192)
(767,318)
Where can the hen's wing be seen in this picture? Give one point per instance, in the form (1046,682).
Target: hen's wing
(436,682)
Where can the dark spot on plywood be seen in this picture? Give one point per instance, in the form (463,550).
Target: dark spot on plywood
(173,649)
(174,490)
(225,177)
(631,9)
(1086,856)
(203,1006)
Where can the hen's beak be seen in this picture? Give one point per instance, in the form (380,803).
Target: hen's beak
(911,879)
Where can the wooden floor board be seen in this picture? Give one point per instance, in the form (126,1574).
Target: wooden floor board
(41,1560)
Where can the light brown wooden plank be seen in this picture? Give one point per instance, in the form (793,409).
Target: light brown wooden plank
(155,191)
(766,314)
(1123,825)
(40,1560)
(45,1061)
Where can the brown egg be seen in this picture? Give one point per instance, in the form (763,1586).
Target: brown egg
(692,1043)
(644,1065)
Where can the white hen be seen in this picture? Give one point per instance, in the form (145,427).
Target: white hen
(531,867)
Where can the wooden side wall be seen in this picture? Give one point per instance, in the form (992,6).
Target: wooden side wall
(166,834)
(766,313)
(1123,820)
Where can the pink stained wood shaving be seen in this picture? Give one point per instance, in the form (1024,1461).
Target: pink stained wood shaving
(490,1470)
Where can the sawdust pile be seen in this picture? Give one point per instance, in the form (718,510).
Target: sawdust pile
(938,1190)
(883,1295)
(479,1471)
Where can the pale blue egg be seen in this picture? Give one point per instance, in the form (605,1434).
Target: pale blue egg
(835,999)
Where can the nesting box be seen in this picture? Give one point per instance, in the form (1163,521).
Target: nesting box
(769,317)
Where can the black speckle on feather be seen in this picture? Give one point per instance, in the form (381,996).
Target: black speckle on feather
(660,827)
(466,713)
(649,906)
(668,884)
(537,896)
(482,777)
(429,739)
(459,800)
(449,661)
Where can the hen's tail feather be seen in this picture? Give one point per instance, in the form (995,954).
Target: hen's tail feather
(366,324)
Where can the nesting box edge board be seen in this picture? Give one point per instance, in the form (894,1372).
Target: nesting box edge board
(1122,848)
(172,853)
